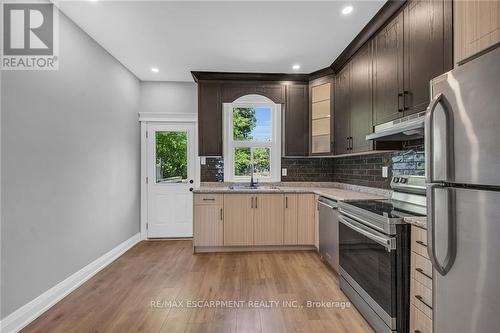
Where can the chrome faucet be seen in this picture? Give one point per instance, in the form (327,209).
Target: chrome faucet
(253,184)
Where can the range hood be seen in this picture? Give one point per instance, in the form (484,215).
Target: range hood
(402,129)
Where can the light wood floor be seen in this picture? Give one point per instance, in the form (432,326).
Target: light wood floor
(118,299)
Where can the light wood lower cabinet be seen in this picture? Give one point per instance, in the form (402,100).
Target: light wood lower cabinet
(208,220)
(419,241)
(299,227)
(421,297)
(419,322)
(421,270)
(238,219)
(305,219)
(268,219)
(290,220)
(420,283)
(316,222)
(242,220)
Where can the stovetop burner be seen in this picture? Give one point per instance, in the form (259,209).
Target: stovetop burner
(385,208)
(407,199)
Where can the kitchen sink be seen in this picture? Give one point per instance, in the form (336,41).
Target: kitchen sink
(257,187)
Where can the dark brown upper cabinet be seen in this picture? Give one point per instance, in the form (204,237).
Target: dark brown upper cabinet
(213,92)
(388,72)
(234,90)
(296,120)
(353,103)
(209,119)
(361,100)
(428,49)
(381,76)
(342,121)
(275,92)
(413,48)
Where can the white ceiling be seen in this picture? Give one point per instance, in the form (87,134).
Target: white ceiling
(229,36)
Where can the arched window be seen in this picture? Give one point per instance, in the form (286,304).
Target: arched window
(252,138)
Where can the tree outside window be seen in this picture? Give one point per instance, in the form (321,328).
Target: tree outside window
(252,124)
(171,156)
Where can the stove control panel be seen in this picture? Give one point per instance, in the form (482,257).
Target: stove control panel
(408,183)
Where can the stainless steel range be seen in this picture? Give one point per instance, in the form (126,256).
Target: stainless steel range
(374,253)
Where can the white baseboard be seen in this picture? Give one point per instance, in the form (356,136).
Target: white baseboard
(17,320)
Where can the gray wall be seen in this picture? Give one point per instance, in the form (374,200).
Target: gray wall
(170,97)
(70,166)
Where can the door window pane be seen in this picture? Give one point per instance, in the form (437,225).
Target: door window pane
(171,157)
(252,124)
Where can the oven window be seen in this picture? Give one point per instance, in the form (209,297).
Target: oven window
(370,265)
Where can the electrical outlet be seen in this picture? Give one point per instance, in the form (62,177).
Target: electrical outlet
(283,172)
(203,160)
(385,172)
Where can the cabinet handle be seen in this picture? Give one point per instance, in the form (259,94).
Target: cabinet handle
(255,202)
(421,271)
(221,214)
(351,145)
(421,299)
(421,243)
(251,202)
(400,109)
(286,202)
(208,199)
(405,93)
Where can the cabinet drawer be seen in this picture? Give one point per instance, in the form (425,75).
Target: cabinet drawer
(421,269)
(419,241)
(418,321)
(207,199)
(421,297)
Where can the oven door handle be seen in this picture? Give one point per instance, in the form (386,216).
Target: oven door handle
(389,243)
(326,205)
(358,219)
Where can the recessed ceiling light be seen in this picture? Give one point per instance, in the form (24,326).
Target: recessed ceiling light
(296,67)
(154,70)
(347,10)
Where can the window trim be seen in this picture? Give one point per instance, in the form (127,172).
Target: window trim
(252,101)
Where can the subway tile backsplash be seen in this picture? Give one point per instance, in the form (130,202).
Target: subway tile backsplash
(308,169)
(298,169)
(213,170)
(411,161)
(364,170)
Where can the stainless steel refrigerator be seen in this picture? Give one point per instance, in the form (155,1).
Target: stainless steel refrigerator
(462,143)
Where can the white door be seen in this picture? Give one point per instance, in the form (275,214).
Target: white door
(171,172)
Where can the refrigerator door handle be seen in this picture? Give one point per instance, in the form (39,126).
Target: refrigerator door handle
(440,99)
(451,251)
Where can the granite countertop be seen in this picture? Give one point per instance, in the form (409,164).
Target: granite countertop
(329,190)
(420,221)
